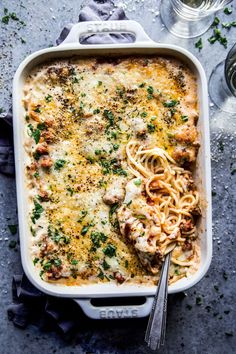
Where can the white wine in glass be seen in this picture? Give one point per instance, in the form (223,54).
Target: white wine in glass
(189,18)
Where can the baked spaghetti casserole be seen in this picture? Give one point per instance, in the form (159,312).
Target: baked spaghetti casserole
(111,144)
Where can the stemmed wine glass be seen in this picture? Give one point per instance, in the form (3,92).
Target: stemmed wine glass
(222,83)
(189,18)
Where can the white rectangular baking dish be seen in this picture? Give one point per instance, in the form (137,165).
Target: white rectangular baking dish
(142,45)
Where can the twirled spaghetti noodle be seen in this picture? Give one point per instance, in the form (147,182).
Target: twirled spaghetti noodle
(171,202)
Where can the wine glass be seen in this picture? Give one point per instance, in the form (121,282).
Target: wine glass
(189,18)
(222,83)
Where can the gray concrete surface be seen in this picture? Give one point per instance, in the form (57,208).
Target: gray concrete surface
(206,328)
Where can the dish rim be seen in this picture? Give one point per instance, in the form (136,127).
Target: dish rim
(105,290)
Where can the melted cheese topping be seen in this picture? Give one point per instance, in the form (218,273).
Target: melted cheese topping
(80,114)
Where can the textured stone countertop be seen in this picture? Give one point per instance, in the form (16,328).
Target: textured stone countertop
(208,327)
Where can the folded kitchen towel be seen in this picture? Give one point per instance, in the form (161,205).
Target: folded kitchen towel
(32,306)
(29,304)
(95,10)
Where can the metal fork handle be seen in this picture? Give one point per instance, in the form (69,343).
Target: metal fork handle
(155,333)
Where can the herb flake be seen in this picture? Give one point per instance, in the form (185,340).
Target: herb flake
(199,44)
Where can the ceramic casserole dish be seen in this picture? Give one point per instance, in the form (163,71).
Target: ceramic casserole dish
(142,45)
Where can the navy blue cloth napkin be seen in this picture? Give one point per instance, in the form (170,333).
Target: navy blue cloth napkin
(29,304)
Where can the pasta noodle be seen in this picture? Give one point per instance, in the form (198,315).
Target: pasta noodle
(173,199)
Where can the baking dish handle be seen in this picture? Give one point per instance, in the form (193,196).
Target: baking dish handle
(96,27)
(115,312)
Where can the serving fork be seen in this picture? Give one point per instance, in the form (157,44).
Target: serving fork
(156,328)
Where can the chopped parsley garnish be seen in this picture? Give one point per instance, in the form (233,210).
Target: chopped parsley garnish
(74,262)
(12,244)
(84,230)
(41,126)
(177,271)
(138,181)
(35,133)
(70,190)
(83,214)
(13,228)
(215,22)
(226,25)
(111,166)
(59,164)
(151,127)
(114,134)
(102,183)
(13,16)
(10,15)
(109,115)
(97,238)
(150,90)
(75,80)
(5,19)
(37,211)
(110,250)
(36,155)
(113,208)
(142,84)
(184,118)
(90,159)
(57,262)
(48,98)
(119,171)
(57,238)
(99,83)
(105,265)
(96,111)
(35,260)
(115,146)
(106,166)
(126,263)
(143,114)
(199,44)
(218,37)
(212,39)
(101,275)
(171,103)
(47,266)
(36,174)
(37,110)
(98,152)
(228,11)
